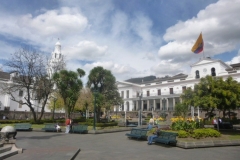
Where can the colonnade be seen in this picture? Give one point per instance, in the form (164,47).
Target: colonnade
(166,103)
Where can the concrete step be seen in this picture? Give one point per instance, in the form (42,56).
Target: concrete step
(8,154)
(5,149)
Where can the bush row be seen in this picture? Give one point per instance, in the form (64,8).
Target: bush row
(199,133)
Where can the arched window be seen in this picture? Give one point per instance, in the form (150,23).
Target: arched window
(197,74)
(213,72)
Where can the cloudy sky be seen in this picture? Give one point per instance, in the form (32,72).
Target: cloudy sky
(132,38)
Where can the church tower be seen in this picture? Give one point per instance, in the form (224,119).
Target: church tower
(56,63)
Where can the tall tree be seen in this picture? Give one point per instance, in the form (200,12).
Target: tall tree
(69,86)
(85,101)
(229,95)
(31,79)
(108,92)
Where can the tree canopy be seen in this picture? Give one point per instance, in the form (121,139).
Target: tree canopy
(69,86)
(107,95)
(213,93)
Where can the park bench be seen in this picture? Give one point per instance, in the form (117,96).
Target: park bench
(78,128)
(137,133)
(166,138)
(50,127)
(23,126)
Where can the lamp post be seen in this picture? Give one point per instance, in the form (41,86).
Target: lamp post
(140,110)
(54,105)
(95,91)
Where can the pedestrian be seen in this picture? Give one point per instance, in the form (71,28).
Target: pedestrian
(58,128)
(155,135)
(68,122)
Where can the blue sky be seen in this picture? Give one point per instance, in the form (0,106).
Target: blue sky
(131,38)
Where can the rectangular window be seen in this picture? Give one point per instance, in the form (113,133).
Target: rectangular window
(171,90)
(159,92)
(148,93)
(20,93)
(137,94)
(127,93)
(122,94)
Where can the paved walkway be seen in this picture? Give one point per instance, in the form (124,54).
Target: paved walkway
(61,146)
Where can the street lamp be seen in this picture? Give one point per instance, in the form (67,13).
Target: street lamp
(140,110)
(95,91)
(54,105)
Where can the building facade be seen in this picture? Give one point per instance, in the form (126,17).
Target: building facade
(161,94)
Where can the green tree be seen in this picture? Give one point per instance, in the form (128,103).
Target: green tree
(107,94)
(69,86)
(181,109)
(85,101)
(205,94)
(229,95)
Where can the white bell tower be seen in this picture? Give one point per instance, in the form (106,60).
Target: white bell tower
(56,63)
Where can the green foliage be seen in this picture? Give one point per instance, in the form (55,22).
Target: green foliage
(202,133)
(107,93)
(183,134)
(69,86)
(181,109)
(187,126)
(199,133)
(90,123)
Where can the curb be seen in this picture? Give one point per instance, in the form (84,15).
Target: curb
(206,144)
(74,156)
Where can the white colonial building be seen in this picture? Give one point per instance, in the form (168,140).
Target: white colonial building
(55,64)
(161,94)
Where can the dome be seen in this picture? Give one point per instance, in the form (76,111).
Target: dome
(58,43)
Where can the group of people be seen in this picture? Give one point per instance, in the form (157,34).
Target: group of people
(68,124)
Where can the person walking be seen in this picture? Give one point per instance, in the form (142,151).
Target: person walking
(68,123)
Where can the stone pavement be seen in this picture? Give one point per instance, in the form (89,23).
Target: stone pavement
(61,146)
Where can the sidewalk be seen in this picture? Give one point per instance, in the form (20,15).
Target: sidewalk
(108,146)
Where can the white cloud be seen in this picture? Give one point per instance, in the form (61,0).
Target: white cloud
(62,23)
(219,24)
(166,68)
(86,50)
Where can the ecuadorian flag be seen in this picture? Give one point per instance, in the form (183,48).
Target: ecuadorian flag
(198,46)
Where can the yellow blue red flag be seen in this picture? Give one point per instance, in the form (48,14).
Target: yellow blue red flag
(198,46)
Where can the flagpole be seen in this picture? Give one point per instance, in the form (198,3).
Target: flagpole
(203,47)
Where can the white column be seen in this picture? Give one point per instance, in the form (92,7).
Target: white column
(141,104)
(174,103)
(154,105)
(148,105)
(161,104)
(167,103)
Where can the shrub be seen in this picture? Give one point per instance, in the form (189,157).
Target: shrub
(182,134)
(201,133)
